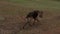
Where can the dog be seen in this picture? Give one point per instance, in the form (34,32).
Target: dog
(33,15)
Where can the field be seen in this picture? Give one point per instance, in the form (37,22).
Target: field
(13,12)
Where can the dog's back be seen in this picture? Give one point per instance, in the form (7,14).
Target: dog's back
(33,14)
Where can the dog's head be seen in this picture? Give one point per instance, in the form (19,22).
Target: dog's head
(41,14)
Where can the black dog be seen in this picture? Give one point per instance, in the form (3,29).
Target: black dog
(33,15)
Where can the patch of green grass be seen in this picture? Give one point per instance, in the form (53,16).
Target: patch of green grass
(38,3)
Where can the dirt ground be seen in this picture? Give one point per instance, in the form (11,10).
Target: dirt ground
(12,21)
